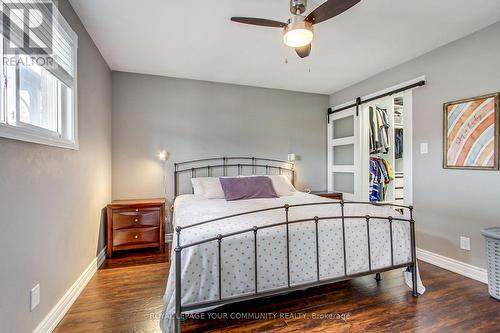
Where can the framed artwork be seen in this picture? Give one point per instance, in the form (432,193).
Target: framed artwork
(470,133)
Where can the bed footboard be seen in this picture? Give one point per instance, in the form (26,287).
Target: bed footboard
(411,265)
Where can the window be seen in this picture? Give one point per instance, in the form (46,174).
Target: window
(38,75)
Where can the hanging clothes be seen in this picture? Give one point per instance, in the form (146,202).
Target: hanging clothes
(373,130)
(390,173)
(381,175)
(379,130)
(398,143)
(375,185)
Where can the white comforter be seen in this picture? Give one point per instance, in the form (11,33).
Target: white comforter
(199,263)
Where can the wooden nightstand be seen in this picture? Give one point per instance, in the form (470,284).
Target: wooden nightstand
(330,195)
(135,224)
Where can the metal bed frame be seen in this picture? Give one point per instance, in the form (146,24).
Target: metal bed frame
(280,167)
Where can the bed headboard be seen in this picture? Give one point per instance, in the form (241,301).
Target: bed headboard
(229,166)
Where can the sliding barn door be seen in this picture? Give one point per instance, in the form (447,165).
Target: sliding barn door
(344,154)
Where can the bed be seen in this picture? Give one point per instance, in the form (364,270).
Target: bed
(231,251)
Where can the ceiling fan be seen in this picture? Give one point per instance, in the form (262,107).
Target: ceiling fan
(298,31)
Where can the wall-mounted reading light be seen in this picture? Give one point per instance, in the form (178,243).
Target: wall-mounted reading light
(163,155)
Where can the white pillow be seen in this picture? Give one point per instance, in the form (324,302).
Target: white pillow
(208,187)
(197,189)
(282,185)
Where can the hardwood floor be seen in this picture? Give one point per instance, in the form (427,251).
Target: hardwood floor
(125,295)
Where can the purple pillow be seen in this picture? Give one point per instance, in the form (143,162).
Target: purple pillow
(247,188)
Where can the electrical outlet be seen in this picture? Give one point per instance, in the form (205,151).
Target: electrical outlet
(35,297)
(465,243)
(424,148)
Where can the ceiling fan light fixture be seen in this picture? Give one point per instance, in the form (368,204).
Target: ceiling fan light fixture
(298,34)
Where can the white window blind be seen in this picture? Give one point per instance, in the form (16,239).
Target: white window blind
(37,27)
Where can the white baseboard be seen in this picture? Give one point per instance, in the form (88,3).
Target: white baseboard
(462,268)
(101,257)
(57,313)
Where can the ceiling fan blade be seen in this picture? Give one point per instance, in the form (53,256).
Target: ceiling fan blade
(303,51)
(259,21)
(330,9)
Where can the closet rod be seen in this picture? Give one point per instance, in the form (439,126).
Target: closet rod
(359,101)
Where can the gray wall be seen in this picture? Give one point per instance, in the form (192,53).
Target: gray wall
(51,199)
(196,119)
(449,203)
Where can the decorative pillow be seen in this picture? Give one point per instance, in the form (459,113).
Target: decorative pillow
(207,187)
(239,188)
(282,185)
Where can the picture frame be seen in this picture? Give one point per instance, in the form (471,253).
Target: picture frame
(470,133)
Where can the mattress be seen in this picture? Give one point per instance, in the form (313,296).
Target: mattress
(199,264)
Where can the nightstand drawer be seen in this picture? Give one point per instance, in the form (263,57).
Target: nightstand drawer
(136,218)
(135,236)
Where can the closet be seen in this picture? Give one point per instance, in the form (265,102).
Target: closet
(383,180)
(370,146)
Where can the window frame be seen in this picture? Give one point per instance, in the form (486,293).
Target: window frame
(34,134)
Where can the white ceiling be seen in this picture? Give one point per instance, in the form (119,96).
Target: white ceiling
(195,39)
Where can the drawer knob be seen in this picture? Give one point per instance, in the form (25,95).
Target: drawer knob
(136,210)
(136,220)
(136,236)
